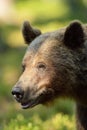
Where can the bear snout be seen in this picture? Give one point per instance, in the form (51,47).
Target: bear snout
(18,93)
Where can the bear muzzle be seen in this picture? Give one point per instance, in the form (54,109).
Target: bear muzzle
(21,97)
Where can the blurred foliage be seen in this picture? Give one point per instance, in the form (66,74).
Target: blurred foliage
(48,15)
(58,122)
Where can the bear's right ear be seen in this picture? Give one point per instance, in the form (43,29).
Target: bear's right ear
(29,33)
(74,35)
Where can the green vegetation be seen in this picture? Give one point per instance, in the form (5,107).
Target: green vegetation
(47,15)
(58,122)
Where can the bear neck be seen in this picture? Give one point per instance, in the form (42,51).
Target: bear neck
(81,114)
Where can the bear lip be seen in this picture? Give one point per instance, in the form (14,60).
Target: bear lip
(33,102)
(30,103)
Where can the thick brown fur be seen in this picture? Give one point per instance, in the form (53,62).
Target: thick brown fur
(55,65)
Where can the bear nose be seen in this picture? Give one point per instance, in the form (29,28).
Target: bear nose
(18,93)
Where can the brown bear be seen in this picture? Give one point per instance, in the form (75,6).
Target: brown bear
(55,65)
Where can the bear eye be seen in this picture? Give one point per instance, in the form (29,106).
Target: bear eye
(41,66)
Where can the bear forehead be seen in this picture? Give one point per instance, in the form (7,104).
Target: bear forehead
(44,44)
(46,40)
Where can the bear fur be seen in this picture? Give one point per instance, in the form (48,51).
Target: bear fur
(55,65)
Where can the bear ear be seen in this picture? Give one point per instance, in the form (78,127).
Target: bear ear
(74,35)
(29,33)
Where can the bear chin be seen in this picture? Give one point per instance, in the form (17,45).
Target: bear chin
(41,99)
(30,103)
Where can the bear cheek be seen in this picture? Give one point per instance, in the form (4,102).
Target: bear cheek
(45,83)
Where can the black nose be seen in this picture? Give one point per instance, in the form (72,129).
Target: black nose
(18,93)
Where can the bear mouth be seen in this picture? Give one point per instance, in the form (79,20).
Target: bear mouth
(41,99)
(32,102)
(29,104)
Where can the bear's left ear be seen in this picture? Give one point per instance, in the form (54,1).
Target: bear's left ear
(74,35)
(29,33)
